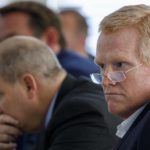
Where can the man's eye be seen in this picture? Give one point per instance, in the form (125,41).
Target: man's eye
(119,65)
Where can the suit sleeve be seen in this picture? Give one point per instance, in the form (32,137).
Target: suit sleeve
(79,125)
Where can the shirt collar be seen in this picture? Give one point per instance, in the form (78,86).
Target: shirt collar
(126,124)
(50,111)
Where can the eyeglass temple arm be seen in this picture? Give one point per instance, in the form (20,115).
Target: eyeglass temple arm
(133,68)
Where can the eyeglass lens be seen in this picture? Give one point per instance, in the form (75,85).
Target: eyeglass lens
(96,78)
(116,76)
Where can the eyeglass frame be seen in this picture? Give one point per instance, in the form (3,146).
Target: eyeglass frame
(123,73)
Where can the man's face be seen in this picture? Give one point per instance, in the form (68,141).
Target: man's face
(16,102)
(118,52)
(19,23)
(16,23)
(69,27)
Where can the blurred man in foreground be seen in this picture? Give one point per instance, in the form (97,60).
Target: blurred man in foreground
(39,94)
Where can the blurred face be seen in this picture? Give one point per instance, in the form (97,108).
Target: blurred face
(69,30)
(118,52)
(18,23)
(16,101)
(14,24)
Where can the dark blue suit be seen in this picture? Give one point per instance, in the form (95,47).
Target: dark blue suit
(138,136)
(77,65)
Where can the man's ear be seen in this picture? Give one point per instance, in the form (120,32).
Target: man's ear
(30,84)
(51,38)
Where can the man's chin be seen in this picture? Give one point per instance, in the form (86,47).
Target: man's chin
(113,108)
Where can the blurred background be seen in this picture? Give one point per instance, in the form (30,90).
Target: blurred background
(93,10)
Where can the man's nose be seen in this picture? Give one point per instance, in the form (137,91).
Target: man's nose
(107,79)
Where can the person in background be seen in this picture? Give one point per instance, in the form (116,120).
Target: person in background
(75,29)
(123,54)
(34,19)
(41,95)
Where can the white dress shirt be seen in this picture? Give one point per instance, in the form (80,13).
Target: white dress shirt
(126,124)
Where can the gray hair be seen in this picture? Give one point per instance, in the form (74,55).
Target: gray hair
(137,16)
(23,54)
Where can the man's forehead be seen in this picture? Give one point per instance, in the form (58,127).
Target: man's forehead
(113,55)
(11,25)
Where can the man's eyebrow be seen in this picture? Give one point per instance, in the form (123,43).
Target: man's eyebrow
(7,36)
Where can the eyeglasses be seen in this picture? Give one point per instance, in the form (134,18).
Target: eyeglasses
(114,77)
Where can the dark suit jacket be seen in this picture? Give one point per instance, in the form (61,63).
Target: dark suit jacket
(76,66)
(138,136)
(77,122)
